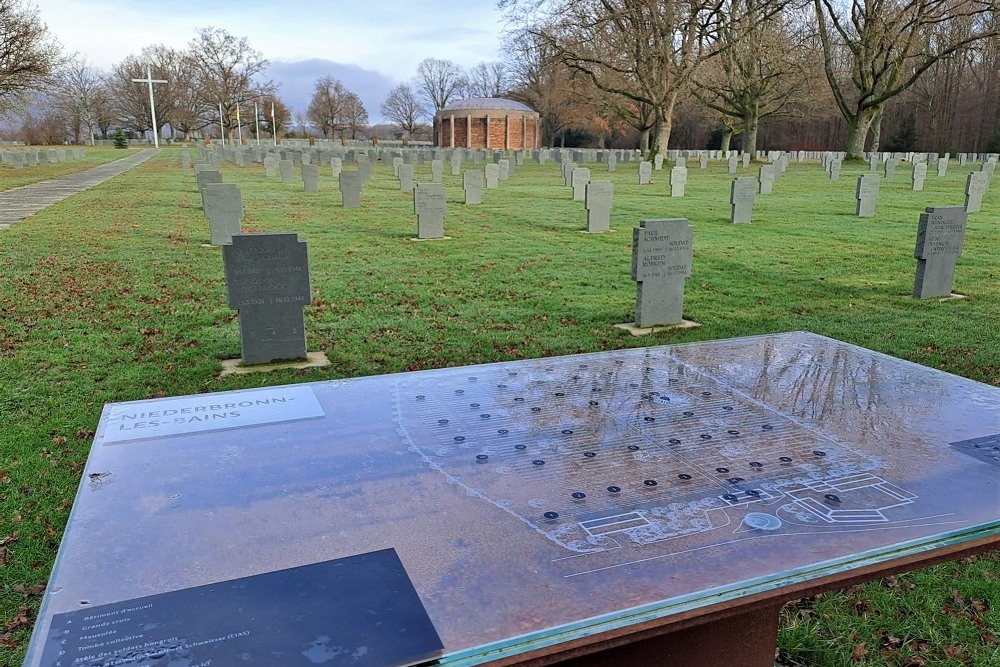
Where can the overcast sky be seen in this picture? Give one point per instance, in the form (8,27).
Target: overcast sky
(370,46)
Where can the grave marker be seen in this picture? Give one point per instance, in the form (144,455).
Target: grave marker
(224,210)
(678,180)
(765,179)
(976,184)
(437,171)
(429,206)
(661,260)
(918,176)
(599,199)
(472,182)
(267,278)
(287,168)
(350,188)
(939,244)
(731,163)
(866,195)
(579,179)
(205,177)
(741,195)
(406,177)
(492,176)
(645,172)
(310,177)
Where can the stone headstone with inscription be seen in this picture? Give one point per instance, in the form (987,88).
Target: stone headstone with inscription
(939,244)
(678,180)
(918,175)
(765,179)
(599,199)
(350,188)
(224,210)
(310,177)
(579,179)
(267,278)
(661,261)
(976,184)
(206,177)
(658,162)
(645,172)
(472,182)
(741,197)
(429,206)
(492,176)
(866,195)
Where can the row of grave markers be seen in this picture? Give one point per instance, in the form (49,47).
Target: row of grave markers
(19,159)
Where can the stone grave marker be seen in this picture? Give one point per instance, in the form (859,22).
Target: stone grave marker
(185,159)
(599,198)
(731,164)
(310,177)
(658,162)
(271,166)
(224,210)
(350,188)
(746,160)
(429,206)
(741,197)
(835,166)
(681,161)
(873,162)
(866,195)
(205,177)
(942,165)
(336,166)
(703,160)
(364,168)
(579,178)
(405,174)
(765,179)
(612,161)
(919,173)
(567,173)
(472,182)
(661,261)
(16,159)
(976,184)
(287,168)
(890,167)
(437,171)
(396,162)
(492,176)
(939,244)
(267,278)
(504,166)
(645,172)
(678,180)
(456,164)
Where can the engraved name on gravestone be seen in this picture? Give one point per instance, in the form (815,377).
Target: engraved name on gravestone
(661,261)
(976,184)
(678,180)
(918,175)
(472,182)
(939,244)
(350,188)
(310,177)
(437,171)
(599,197)
(267,278)
(741,196)
(765,177)
(429,206)
(406,177)
(866,195)
(645,172)
(224,210)
(579,179)
(492,176)
(287,168)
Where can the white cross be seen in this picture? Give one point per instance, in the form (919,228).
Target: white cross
(152,108)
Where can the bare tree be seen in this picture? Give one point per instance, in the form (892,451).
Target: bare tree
(760,70)
(355,115)
(28,54)
(80,95)
(876,49)
(131,99)
(225,70)
(488,80)
(402,109)
(437,82)
(542,81)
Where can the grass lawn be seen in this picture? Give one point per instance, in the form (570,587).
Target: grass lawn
(110,296)
(14,178)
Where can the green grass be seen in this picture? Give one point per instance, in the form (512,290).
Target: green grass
(14,178)
(110,296)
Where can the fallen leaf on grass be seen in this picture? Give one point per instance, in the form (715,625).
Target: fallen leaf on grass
(859,653)
(29,590)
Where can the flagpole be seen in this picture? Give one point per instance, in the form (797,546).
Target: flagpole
(239,125)
(222,127)
(274,130)
(256,120)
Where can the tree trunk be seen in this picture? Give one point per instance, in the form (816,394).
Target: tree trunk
(727,138)
(857,132)
(665,123)
(877,130)
(750,135)
(644,140)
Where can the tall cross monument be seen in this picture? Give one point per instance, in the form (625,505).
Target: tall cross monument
(152,107)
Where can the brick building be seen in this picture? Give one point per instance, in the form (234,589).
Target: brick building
(487,122)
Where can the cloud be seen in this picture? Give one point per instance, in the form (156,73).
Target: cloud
(298,78)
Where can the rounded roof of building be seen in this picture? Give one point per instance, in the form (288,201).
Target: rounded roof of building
(487,104)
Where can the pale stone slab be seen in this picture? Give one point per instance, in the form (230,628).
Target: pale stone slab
(940,236)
